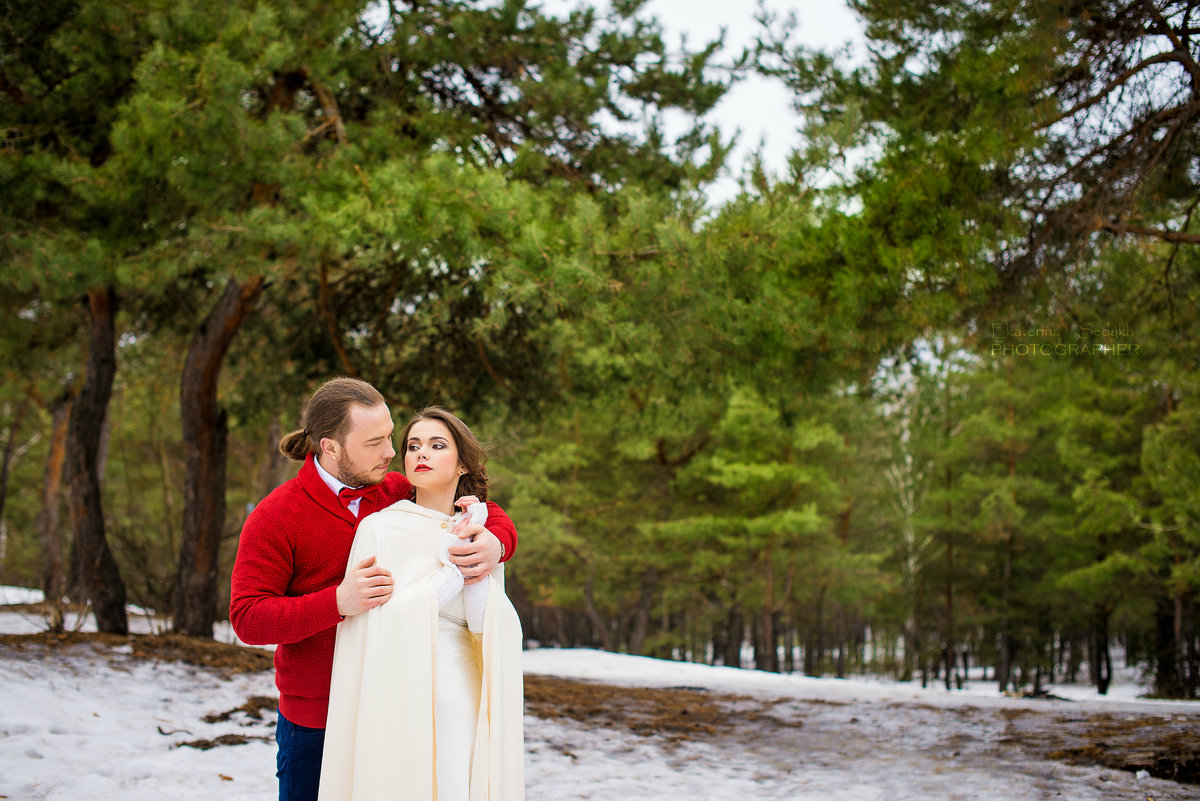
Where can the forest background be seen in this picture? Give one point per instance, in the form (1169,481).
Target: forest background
(927,401)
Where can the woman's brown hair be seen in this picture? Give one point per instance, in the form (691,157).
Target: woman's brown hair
(328,415)
(471,454)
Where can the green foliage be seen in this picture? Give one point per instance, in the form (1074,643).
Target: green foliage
(934,391)
(392,181)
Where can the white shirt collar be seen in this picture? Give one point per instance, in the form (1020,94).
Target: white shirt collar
(335,485)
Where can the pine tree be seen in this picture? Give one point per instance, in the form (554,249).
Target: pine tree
(180,151)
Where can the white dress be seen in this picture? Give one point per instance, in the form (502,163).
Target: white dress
(420,709)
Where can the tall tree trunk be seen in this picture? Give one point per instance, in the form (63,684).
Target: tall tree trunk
(1191,663)
(1075,652)
(641,612)
(599,624)
(1100,662)
(1004,668)
(767,657)
(735,635)
(94,572)
(814,651)
(909,646)
(1004,662)
(10,451)
(205,438)
(949,641)
(1180,640)
(1167,681)
(839,623)
(843,533)
(914,631)
(49,535)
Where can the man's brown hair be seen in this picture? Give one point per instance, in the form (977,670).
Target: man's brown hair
(328,415)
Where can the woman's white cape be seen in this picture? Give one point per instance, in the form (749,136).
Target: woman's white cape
(379,739)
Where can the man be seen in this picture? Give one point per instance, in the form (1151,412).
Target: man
(291,585)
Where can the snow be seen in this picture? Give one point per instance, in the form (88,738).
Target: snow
(87,724)
(20,595)
(92,721)
(582,663)
(141,621)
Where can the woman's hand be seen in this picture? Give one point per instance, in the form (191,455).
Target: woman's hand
(464,503)
(478,554)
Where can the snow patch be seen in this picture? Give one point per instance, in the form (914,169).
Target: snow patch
(89,721)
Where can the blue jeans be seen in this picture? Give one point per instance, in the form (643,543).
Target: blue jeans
(298,763)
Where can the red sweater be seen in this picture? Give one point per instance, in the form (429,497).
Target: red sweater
(291,557)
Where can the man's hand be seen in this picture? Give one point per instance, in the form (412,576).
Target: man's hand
(476,559)
(365,587)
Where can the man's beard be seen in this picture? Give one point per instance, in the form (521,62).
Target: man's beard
(351,477)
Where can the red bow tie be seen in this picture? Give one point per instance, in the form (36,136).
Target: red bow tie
(349,494)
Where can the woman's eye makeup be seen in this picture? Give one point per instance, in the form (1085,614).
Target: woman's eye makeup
(416,446)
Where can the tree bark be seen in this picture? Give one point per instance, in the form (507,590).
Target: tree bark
(1100,662)
(599,624)
(1191,657)
(1004,661)
(1167,682)
(206,437)
(766,655)
(733,637)
(49,535)
(641,612)
(839,622)
(949,640)
(814,649)
(10,451)
(913,632)
(94,573)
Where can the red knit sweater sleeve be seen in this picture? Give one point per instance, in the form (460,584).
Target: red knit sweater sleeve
(502,526)
(261,610)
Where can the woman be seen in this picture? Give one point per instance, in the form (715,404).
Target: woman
(419,707)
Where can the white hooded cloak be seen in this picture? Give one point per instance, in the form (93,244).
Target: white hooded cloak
(380,734)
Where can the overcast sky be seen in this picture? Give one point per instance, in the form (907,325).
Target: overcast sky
(759,108)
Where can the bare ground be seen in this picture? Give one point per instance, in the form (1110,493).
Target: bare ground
(1167,746)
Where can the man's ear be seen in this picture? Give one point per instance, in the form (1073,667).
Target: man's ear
(330,446)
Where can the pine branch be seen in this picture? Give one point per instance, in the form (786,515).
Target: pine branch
(1116,82)
(331,327)
(1164,234)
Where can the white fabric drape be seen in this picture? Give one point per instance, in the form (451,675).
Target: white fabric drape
(385,714)
(455,709)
